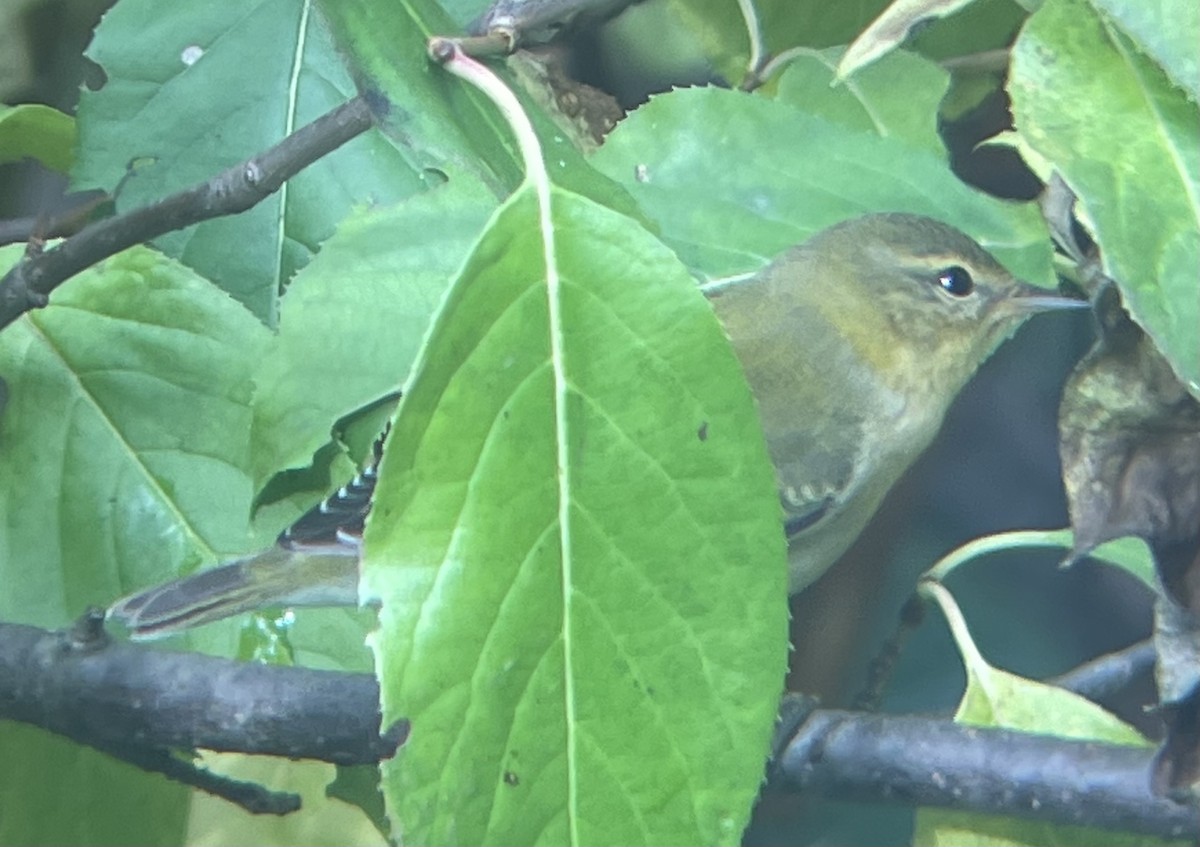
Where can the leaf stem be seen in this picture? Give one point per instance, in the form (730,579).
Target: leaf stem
(449,53)
(994,543)
(936,592)
(754,31)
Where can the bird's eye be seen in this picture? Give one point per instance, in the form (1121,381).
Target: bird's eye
(956,281)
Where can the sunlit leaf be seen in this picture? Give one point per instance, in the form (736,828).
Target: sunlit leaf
(583,622)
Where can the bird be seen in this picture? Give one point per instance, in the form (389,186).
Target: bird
(854,343)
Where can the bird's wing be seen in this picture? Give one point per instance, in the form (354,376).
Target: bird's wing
(816,475)
(339,518)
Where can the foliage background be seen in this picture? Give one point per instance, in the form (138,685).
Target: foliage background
(1001,431)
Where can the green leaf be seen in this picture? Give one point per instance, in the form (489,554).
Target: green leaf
(896,97)
(1167,31)
(995,698)
(721,30)
(1131,555)
(37,132)
(193,88)
(53,791)
(582,573)
(446,125)
(126,437)
(1127,142)
(352,320)
(890,30)
(744,178)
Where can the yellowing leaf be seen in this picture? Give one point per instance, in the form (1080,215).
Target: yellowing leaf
(996,698)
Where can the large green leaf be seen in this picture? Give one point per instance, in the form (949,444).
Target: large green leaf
(744,177)
(354,318)
(448,126)
(1127,141)
(193,88)
(126,437)
(576,542)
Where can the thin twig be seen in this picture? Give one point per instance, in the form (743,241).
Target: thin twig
(1109,674)
(28,285)
(251,796)
(987,61)
(883,664)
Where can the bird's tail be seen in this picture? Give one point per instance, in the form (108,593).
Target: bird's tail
(280,575)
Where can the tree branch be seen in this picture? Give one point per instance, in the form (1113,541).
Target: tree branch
(934,762)
(251,796)
(107,694)
(1109,674)
(28,285)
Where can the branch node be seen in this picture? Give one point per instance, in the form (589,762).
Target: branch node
(441,50)
(87,634)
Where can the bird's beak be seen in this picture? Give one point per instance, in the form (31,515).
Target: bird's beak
(1029,298)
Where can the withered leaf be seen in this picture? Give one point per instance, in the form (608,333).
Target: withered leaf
(1129,436)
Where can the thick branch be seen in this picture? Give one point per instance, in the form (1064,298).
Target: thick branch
(28,285)
(933,762)
(108,694)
